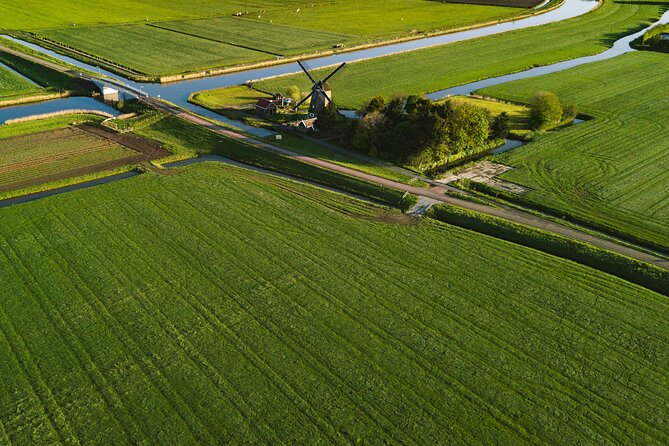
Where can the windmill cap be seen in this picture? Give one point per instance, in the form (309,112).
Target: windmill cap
(326,86)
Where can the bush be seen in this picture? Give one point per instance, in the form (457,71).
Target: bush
(546,111)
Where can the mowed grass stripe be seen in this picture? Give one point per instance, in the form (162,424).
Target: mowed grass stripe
(189,413)
(43,381)
(111,404)
(260,36)
(378,333)
(385,335)
(290,388)
(184,296)
(23,415)
(296,343)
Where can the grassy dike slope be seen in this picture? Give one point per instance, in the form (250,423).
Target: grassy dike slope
(612,170)
(224,306)
(436,68)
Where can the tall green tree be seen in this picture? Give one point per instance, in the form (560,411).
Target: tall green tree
(546,110)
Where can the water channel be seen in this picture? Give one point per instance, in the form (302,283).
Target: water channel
(179,92)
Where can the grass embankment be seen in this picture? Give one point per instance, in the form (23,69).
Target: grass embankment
(343,157)
(43,125)
(188,140)
(609,172)
(13,85)
(635,271)
(250,328)
(50,79)
(437,68)
(265,31)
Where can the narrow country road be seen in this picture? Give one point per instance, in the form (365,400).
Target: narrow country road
(435,193)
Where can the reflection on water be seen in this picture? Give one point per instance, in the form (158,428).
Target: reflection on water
(56,105)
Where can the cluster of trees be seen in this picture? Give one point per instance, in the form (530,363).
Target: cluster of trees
(419,132)
(547,111)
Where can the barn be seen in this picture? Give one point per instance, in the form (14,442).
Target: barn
(266,107)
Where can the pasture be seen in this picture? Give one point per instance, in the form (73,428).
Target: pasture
(433,69)
(31,14)
(152,51)
(262,31)
(385,18)
(12,85)
(250,329)
(273,39)
(611,171)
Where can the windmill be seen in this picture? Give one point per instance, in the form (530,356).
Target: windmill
(321,92)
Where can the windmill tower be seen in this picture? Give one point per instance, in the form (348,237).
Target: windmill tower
(321,92)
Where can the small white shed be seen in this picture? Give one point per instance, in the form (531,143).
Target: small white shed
(110,95)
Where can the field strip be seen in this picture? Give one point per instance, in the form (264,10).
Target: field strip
(25,357)
(216,377)
(214,40)
(57,157)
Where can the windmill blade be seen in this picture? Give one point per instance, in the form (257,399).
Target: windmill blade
(330,101)
(306,72)
(304,100)
(334,72)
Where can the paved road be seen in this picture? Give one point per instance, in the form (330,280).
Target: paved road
(434,193)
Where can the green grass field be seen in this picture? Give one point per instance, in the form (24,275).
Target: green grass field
(266,29)
(611,170)
(384,18)
(265,37)
(151,50)
(236,96)
(31,14)
(433,69)
(47,156)
(13,85)
(219,307)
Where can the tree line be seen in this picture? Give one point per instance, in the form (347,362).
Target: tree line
(416,131)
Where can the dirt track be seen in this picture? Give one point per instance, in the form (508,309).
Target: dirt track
(506,213)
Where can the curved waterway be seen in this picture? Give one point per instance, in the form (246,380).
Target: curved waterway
(179,92)
(620,47)
(54,106)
